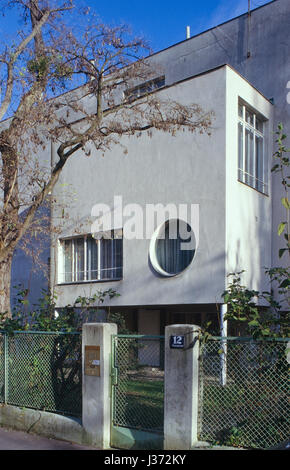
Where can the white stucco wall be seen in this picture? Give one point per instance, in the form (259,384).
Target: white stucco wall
(235,220)
(188,168)
(248,212)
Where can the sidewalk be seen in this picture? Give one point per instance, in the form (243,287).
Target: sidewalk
(17,440)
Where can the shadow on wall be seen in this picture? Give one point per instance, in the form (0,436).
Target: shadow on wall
(31,261)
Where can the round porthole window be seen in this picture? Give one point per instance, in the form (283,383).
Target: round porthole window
(172,247)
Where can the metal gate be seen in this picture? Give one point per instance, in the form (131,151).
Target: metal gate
(137,392)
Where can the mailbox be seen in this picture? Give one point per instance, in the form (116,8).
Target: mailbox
(92,360)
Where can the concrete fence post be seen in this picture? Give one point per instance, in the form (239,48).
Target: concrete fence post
(96,393)
(181,386)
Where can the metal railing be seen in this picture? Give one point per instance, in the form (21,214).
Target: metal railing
(244,392)
(41,370)
(102,274)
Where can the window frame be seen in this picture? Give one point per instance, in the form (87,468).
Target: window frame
(153,248)
(250,162)
(75,274)
(144,88)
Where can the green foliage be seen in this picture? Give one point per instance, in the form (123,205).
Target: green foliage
(206,333)
(243,302)
(52,68)
(44,371)
(39,66)
(119,319)
(243,310)
(281,165)
(248,411)
(99,297)
(69,319)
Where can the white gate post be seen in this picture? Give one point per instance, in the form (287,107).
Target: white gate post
(181,386)
(96,392)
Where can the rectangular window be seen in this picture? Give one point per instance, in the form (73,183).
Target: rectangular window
(252,164)
(144,88)
(84,259)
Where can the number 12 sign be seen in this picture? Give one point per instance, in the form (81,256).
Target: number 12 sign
(176,342)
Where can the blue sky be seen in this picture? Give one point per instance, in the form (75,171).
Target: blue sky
(163,23)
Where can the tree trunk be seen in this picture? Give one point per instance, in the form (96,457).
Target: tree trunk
(5,284)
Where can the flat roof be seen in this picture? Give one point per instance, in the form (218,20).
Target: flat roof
(176,44)
(205,72)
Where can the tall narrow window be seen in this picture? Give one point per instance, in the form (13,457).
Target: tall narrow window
(92,259)
(111,258)
(252,165)
(88,259)
(68,261)
(79,268)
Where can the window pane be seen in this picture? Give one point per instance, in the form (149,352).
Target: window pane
(144,88)
(241,110)
(111,258)
(171,257)
(92,258)
(240,150)
(103,260)
(67,277)
(106,258)
(79,259)
(249,117)
(251,151)
(249,158)
(259,164)
(259,124)
(118,258)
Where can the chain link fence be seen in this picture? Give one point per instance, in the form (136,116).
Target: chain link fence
(138,398)
(2,368)
(244,392)
(243,384)
(42,370)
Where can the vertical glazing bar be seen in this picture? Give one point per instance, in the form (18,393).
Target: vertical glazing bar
(244,145)
(85,259)
(73,277)
(99,259)
(255,175)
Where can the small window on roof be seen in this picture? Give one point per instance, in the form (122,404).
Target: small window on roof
(144,88)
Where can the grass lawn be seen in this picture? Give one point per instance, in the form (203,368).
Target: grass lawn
(140,404)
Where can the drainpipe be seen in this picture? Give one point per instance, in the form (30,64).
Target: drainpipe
(248,29)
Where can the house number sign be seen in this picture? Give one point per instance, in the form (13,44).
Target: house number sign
(92,360)
(176,342)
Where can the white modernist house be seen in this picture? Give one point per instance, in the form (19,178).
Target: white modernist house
(215,189)
(239,71)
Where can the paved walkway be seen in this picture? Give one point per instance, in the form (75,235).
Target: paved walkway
(17,440)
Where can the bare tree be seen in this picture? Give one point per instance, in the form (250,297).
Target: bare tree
(105,106)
